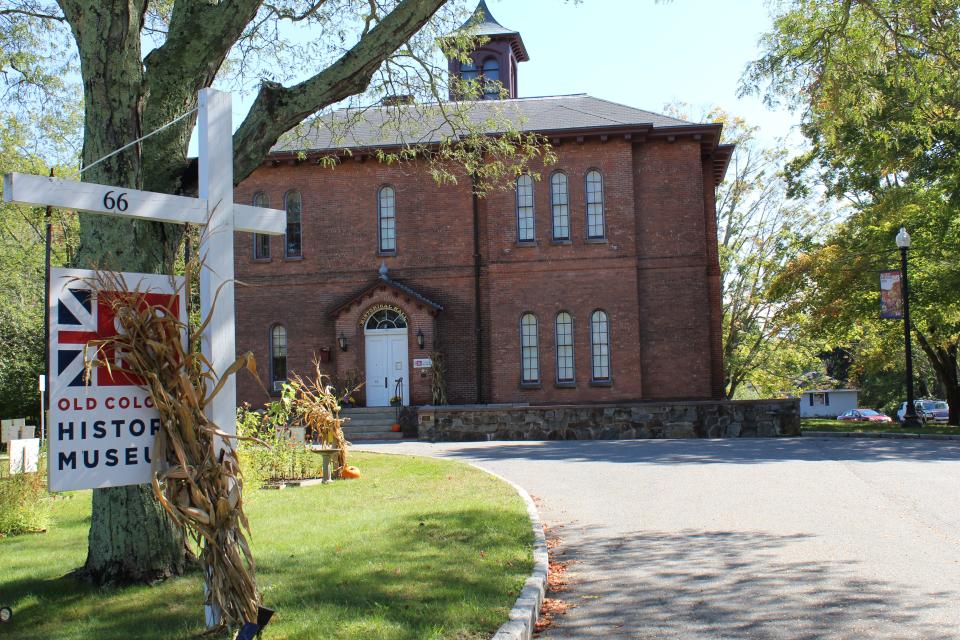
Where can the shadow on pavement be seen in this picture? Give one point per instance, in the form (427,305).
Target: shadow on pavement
(700,585)
(733,451)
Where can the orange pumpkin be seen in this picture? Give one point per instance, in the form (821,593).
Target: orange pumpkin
(350,472)
(395,427)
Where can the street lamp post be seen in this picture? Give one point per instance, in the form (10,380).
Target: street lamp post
(910,419)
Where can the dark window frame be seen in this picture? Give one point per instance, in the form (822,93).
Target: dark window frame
(261,199)
(573,354)
(594,344)
(273,356)
(554,205)
(536,349)
(490,91)
(299,225)
(380,218)
(602,203)
(533,210)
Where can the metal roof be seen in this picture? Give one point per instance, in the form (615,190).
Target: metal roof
(398,125)
(482,23)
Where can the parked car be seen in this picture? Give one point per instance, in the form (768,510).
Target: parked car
(932,411)
(863,415)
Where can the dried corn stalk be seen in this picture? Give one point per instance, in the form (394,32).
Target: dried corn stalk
(196,475)
(317,407)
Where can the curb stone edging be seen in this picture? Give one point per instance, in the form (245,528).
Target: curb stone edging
(526,609)
(880,434)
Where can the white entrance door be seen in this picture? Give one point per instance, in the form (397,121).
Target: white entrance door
(386,356)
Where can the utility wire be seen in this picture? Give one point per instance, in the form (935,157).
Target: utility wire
(137,141)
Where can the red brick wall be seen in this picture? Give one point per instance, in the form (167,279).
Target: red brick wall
(340,258)
(675,302)
(658,292)
(578,277)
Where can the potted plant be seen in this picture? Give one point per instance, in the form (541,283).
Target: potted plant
(395,401)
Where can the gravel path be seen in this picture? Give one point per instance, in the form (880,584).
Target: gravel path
(802,538)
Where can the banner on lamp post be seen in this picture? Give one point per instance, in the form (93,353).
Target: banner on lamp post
(101,429)
(891,295)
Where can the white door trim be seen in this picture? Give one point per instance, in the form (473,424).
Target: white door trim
(392,362)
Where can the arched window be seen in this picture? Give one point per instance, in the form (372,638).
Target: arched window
(564,347)
(491,79)
(469,71)
(560,204)
(600,345)
(293,203)
(387,219)
(261,241)
(529,349)
(525,221)
(595,225)
(387,319)
(278,356)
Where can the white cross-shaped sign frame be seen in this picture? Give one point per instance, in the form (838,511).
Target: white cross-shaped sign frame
(214,209)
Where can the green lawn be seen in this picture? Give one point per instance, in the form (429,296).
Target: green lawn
(824,424)
(417,549)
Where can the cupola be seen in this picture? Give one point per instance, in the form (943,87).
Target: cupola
(496,59)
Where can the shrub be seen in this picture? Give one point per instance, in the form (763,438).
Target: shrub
(24,504)
(273,455)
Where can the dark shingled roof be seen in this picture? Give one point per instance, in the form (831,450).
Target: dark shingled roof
(384,281)
(377,126)
(482,23)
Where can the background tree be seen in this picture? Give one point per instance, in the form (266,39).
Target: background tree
(141,65)
(759,230)
(875,82)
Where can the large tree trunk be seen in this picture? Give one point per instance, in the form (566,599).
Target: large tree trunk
(944,362)
(131,537)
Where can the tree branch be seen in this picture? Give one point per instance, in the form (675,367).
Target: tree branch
(278,109)
(32,14)
(198,40)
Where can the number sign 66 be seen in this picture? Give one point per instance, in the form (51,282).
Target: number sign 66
(119,203)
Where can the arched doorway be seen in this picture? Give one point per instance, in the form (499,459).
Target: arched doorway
(385,346)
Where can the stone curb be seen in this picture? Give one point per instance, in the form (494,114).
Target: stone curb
(526,610)
(879,434)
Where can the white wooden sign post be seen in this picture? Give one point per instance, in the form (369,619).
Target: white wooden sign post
(214,210)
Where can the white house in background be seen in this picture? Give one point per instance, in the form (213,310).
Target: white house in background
(827,403)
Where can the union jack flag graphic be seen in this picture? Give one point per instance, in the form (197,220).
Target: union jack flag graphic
(81,317)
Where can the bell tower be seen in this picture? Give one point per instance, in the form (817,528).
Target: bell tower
(496,59)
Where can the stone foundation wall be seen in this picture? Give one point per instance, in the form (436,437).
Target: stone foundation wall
(720,419)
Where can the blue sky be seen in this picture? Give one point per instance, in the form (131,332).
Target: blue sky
(643,53)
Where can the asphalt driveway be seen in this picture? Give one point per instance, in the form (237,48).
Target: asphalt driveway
(793,538)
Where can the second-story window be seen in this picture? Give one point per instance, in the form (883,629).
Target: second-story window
(595,224)
(525,220)
(387,219)
(560,204)
(293,203)
(261,241)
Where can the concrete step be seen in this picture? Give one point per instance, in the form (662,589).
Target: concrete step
(361,437)
(356,411)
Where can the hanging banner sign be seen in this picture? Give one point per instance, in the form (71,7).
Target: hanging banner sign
(101,430)
(891,295)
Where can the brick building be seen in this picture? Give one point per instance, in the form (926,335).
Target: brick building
(598,283)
